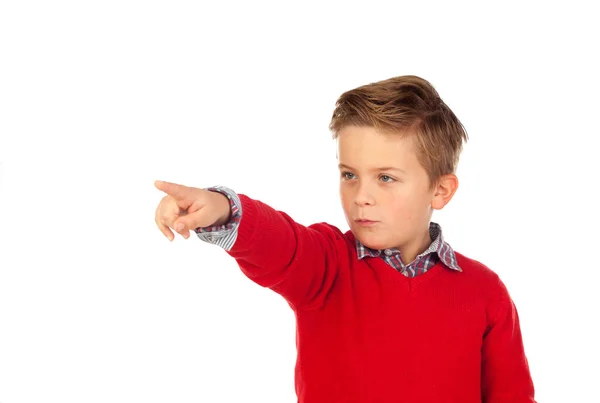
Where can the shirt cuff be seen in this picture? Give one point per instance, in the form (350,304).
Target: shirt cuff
(226,234)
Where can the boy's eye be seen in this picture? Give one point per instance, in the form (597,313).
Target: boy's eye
(384,178)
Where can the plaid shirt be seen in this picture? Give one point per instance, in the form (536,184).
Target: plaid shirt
(438,250)
(226,234)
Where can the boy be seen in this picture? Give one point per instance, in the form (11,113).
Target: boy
(386,312)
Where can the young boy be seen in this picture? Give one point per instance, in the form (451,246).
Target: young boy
(386,312)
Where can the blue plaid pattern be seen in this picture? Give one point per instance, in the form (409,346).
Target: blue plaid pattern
(423,262)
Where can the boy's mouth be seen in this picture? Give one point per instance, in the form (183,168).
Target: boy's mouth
(364,221)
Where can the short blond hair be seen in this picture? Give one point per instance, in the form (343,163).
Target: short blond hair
(406,105)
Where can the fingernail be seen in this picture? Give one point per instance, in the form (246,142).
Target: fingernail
(179,227)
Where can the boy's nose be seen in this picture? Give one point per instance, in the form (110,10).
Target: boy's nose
(363,197)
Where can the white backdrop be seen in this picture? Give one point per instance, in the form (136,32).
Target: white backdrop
(99,99)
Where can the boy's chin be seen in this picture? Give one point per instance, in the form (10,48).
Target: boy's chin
(373,242)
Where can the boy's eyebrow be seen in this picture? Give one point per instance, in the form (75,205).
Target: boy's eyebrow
(344,166)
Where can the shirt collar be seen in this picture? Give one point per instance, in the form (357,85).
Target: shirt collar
(438,246)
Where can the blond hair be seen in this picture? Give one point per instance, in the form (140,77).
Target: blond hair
(406,105)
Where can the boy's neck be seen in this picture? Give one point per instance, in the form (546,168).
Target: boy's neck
(411,251)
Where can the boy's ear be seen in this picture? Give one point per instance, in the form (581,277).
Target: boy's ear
(444,191)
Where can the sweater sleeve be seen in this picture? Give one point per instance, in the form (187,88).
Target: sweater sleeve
(505,370)
(300,263)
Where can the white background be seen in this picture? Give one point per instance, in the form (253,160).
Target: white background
(99,99)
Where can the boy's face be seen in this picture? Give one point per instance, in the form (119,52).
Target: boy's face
(382,180)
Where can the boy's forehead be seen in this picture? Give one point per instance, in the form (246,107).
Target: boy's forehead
(364,137)
(364,148)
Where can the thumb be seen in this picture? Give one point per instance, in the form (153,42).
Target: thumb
(179,192)
(190,222)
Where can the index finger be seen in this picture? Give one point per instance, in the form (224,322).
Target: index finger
(173,189)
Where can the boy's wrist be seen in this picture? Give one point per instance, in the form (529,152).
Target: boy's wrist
(225,206)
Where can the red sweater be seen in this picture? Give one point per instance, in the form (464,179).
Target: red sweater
(368,334)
